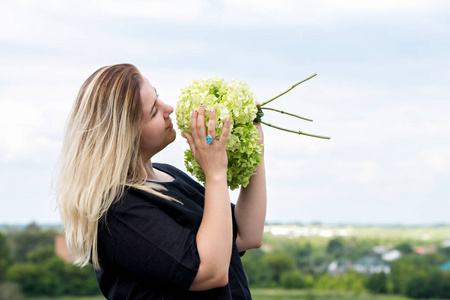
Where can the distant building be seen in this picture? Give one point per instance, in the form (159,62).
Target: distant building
(339,267)
(299,231)
(61,249)
(380,250)
(446,244)
(391,255)
(370,265)
(424,249)
(445,266)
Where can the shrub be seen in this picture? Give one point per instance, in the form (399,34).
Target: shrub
(377,283)
(293,280)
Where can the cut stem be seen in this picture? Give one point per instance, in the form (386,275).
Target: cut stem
(270,100)
(284,112)
(297,132)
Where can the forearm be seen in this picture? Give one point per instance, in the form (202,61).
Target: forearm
(215,235)
(250,211)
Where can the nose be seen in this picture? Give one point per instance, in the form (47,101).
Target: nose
(168,109)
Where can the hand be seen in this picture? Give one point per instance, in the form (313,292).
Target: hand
(260,133)
(212,158)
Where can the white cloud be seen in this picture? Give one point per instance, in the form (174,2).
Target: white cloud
(385,6)
(18,140)
(354,171)
(425,168)
(34,105)
(387,114)
(159,9)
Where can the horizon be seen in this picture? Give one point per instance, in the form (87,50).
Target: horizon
(318,224)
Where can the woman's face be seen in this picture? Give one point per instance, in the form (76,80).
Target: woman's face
(157,128)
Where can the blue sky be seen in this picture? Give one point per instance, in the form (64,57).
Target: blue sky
(381,93)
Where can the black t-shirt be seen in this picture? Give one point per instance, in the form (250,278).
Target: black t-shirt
(147,245)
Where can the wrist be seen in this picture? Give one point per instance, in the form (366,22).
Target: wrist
(216,177)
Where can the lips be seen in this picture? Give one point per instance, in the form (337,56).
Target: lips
(170,126)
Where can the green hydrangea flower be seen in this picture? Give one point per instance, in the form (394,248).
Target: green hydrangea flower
(231,99)
(234,100)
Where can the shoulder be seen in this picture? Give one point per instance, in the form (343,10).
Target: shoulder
(134,199)
(178,174)
(169,169)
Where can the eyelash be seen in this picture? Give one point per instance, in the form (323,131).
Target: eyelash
(156,111)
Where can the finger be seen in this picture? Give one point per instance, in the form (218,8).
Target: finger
(212,123)
(225,131)
(201,130)
(190,142)
(194,116)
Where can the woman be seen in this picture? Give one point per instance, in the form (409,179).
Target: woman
(150,231)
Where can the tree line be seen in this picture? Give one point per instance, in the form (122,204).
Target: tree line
(29,267)
(301,263)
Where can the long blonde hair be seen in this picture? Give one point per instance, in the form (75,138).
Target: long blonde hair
(100,155)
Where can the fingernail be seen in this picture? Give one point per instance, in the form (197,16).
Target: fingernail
(212,109)
(201,105)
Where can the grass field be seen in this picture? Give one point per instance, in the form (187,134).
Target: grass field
(278,294)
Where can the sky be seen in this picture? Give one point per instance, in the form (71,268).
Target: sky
(381,94)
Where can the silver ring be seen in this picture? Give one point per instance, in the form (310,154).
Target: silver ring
(209,139)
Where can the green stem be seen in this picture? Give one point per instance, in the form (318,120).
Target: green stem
(270,100)
(297,132)
(283,112)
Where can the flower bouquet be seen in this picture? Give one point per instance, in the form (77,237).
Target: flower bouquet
(235,101)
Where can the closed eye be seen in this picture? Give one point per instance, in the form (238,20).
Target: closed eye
(155,110)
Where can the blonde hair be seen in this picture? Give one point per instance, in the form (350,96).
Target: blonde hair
(100,156)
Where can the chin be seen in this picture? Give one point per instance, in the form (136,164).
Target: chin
(171,139)
(174,136)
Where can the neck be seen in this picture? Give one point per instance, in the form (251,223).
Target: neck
(150,171)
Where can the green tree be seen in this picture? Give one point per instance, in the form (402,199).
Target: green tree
(335,248)
(293,280)
(434,259)
(28,276)
(445,292)
(81,281)
(256,269)
(404,248)
(54,278)
(23,241)
(423,286)
(278,263)
(355,248)
(303,255)
(377,283)
(403,268)
(445,251)
(350,281)
(4,256)
(40,254)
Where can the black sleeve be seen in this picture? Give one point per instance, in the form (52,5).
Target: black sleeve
(146,242)
(235,227)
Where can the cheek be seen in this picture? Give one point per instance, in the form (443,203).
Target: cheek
(150,134)
(146,136)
